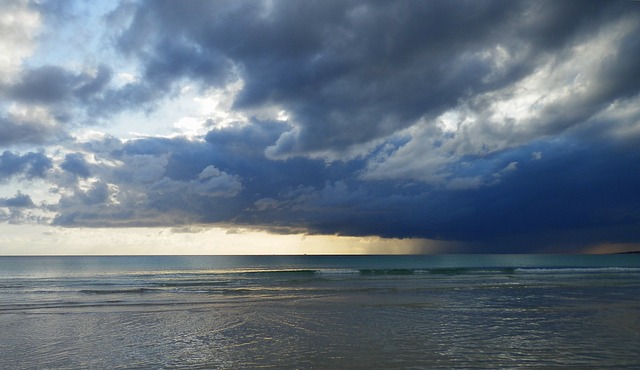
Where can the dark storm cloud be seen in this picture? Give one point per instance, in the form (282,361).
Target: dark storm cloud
(577,193)
(575,196)
(178,181)
(507,125)
(348,72)
(574,191)
(29,165)
(339,67)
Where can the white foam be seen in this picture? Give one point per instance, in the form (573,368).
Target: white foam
(337,272)
(567,270)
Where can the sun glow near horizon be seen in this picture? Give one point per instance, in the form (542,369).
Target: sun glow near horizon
(49,240)
(30,240)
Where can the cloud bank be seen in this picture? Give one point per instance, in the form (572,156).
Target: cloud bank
(506,126)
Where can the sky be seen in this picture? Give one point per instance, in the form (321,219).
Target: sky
(290,126)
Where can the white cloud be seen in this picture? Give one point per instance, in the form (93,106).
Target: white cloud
(622,118)
(421,158)
(19,27)
(510,167)
(208,172)
(211,109)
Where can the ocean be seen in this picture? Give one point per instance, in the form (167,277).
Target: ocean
(320,312)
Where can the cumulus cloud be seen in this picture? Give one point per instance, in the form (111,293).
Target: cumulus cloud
(32,126)
(75,163)
(30,165)
(144,182)
(19,200)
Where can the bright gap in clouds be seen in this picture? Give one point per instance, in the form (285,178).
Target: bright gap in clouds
(196,240)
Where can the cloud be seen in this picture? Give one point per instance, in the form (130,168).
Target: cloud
(145,182)
(19,200)
(49,84)
(494,124)
(557,95)
(19,27)
(30,165)
(228,179)
(308,51)
(76,164)
(208,184)
(65,92)
(382,66)
(20,209)
(30,126)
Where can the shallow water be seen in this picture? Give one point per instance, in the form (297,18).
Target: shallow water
(320,312)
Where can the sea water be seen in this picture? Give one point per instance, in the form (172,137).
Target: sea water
(333,312)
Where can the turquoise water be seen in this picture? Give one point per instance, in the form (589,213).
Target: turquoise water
(449,311)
